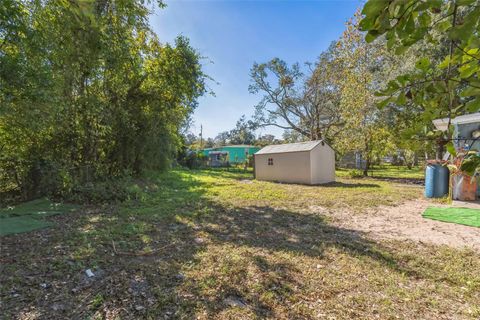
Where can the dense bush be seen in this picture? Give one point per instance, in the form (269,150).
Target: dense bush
(192,160)
(100,192)
(88,92)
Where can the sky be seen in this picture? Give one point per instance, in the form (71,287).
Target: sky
(233,34)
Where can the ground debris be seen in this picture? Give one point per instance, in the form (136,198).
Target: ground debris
(199,240)
(58,306)
(234,301)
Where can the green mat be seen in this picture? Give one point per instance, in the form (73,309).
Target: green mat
(38,208)
(21,224)
(30,215)
(465,216)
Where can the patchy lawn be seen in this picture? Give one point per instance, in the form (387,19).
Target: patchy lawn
(216,244)
(389,172)
(399,172)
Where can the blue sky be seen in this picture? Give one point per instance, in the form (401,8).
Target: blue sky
(235,34)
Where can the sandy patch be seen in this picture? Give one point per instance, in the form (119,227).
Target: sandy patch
(405,222)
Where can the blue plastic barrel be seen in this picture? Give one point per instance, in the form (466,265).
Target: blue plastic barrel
(436,181)
(443,182)
(430,181)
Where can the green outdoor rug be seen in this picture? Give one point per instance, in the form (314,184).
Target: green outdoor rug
(465,216)
(21,224)
(30,215)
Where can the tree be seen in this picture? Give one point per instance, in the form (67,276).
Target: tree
(88,92)
(448,84)
(243,133)
(291,136)
(267,139)
(190,139)
(222,139)
(366,127)
(209,143)
(307,104)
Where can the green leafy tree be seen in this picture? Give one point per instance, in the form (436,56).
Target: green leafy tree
(243,133)
(367,128)
(293,100)
(445,84)
(88,92)
(267,139)
(291,136)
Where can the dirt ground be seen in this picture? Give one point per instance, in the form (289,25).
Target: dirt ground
(405,222)
(215,245)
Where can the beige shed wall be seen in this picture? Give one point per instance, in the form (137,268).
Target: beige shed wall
(322,164)
(290,167)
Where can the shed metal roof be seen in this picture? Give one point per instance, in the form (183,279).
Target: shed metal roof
(442,124)
(289,147)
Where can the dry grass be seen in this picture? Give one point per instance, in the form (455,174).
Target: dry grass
(215,244)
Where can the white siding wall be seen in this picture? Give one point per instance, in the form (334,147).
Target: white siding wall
(290,167)
(322,164)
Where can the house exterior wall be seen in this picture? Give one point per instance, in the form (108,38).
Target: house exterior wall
(236,154)
(290,167)
(322,163)
(464,131)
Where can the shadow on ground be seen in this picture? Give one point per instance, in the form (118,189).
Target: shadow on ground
(145,261)
(337,184)
(413,181)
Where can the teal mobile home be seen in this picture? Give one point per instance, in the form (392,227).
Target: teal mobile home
(234,154)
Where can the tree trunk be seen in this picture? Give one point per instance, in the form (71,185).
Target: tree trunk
(439,152)
(367,167)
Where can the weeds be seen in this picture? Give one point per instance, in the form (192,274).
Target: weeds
(217,244)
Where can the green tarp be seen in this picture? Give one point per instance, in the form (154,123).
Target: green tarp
(30,215)
(465,216)
(21,224)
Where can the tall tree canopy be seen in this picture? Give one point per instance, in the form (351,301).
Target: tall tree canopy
(243,133)
(307,104)
(446,84)
(87,91)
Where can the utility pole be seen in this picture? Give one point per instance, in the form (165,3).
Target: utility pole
(201,137)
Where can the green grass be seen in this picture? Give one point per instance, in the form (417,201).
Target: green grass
(400,172)
(238,189)
(387,171)
(465,216)
(191,242)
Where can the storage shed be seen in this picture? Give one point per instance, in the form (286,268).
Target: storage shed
(311,162)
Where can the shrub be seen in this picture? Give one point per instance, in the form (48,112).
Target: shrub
(355,173)
(108,191)
(192,160)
